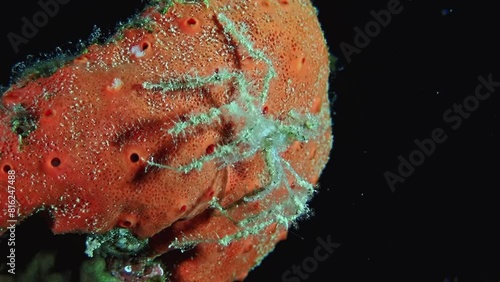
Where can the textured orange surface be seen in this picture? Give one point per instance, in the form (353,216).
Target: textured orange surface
(166,128)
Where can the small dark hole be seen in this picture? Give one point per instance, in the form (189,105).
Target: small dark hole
(145,45)
(6,168)
(192,21)
(210,149)
(49,113)
(183,118)
(19,131)
(134,158)
(55,162)
(126,223)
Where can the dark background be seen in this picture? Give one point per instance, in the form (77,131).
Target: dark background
(441,223)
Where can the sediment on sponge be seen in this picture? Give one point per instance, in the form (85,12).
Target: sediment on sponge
(117,242)
(40,67)
(260,133)
(165,5)
(22,123)
(202,139)
(45,64)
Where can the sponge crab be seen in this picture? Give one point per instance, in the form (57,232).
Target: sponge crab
(201,126)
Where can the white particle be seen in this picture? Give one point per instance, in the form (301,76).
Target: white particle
(137,51)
